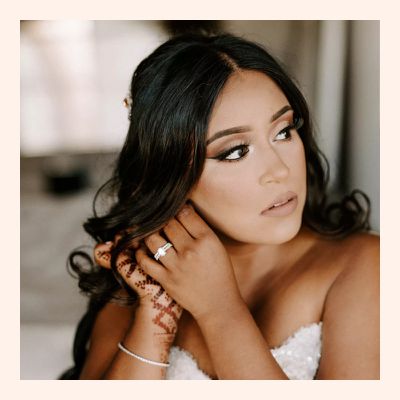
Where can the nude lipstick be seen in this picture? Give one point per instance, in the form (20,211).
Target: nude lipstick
(282,206)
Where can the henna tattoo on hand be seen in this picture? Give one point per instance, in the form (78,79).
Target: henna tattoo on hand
(123,263)
(167,310)
(131,270)
(164,341)
(167,317)
(145,282)
(105,255)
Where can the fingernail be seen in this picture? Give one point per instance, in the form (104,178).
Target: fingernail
(109,242)
(184,210)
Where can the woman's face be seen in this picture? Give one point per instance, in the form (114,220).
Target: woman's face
(237,185)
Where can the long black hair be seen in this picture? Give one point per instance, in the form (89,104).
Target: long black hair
(172,94)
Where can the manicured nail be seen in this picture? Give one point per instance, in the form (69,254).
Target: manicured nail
(184,210)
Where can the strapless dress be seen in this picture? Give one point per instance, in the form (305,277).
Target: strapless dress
(298,356)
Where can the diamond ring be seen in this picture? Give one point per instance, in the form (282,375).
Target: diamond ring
(162,251)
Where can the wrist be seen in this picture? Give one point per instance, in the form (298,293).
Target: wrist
(160,322)
(148,339)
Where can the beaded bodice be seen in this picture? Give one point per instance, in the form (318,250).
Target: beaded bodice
(298,356)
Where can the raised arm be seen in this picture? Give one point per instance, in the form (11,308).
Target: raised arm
(146,330)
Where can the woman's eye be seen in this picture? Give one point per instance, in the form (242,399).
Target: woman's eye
(234,154)
(285,133)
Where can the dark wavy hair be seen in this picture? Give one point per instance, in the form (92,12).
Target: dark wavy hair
(172,94)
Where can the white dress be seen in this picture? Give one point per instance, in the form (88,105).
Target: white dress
(298,356)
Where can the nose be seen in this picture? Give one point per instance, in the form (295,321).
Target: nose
(274,168)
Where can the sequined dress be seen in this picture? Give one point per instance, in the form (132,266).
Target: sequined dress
(298,356)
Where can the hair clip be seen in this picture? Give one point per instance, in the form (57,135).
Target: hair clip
(127,102)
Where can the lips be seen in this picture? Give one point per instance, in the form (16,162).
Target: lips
(280,200)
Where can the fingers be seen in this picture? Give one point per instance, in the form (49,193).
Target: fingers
(136,268)
(192,222)
(128,267)
(154,242)
(150,266)
(102,251)
(102,254)
(180,231)
(177,234)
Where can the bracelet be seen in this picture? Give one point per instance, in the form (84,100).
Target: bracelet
(125,350)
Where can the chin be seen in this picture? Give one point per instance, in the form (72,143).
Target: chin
(282,233)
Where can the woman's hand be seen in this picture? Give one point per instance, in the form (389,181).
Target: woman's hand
(162,308)
(196,271)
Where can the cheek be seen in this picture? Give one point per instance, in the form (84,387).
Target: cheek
(302,166)
(217,189)
(294,158)
(219,195)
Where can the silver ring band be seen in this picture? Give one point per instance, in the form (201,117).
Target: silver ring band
(162,251)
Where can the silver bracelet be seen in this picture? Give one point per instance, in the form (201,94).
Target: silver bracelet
(125,350)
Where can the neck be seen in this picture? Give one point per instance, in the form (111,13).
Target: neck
(246,257)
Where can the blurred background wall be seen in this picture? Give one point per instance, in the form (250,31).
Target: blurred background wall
(74,77)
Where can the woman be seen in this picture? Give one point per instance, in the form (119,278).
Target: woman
(220,252)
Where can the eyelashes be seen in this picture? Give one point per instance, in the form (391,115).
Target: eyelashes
(243,148)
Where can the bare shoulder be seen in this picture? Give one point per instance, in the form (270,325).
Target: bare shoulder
(361,260)
(363,243)
(347,257)
(359,270)
(351,313)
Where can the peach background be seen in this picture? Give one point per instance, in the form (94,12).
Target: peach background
(386,387)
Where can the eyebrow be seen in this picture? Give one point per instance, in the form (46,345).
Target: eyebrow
(245,128)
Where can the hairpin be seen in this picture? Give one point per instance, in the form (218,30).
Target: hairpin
(127,101)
